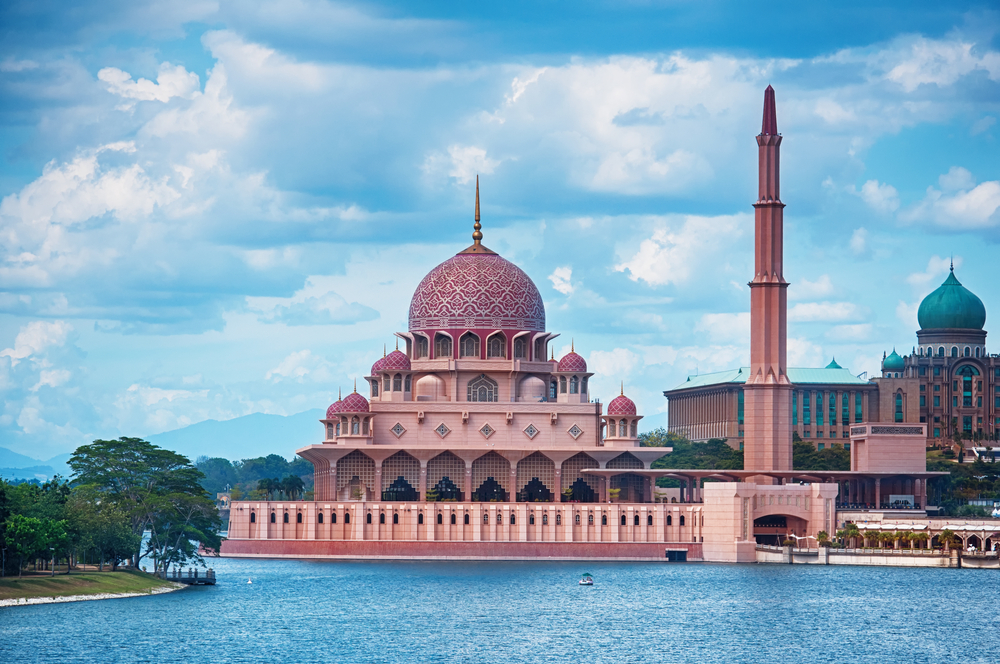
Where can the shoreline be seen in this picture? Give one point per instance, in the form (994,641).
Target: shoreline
(27,601)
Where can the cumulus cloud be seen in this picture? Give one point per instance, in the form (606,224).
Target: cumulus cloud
(859,332)
(327,309)
(939,62)
(726,328)
(959,203)
(804,353)
(937,268)
(467,161)
(827,312)
(562,279)
(803,289)
(881,197)
(619,362)
(171,81)
(859,241)
(300,366)
(674,253)
(36,337)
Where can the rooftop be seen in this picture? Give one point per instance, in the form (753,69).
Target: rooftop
(798,376)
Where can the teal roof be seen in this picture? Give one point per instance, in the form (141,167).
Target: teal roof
(893,362)
(798,376)
(952,305)
(833,364)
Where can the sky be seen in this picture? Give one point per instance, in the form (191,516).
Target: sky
(210,209)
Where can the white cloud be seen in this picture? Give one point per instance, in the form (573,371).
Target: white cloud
(804,353)
(672,256)
(879,196)
(562,280)
(467,161)
(859,241)
(726,328)
(804,289)
(617,363)
(937,268)
(51,378)
(940,62)
(641,171)
(301,365)
(854,333)
(832,112)
(830,312)
(35,337)
(907,314)
(982,125)
(171,81)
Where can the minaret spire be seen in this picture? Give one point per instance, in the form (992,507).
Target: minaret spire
(769,127)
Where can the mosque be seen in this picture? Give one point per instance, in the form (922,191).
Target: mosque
(474,442)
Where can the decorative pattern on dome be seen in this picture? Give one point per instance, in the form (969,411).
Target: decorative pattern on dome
(396,361)
(893,362)
(335,407)
(953,306)
(354,403)
(573,362)
(621,405)
(377,367)
(477,291)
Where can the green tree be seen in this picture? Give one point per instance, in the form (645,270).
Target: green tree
(292,486)
(25,537)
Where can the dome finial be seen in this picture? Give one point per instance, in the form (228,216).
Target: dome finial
(572,346)
(397,343)
(355,385)
(477,235)
(553,355)
(622,393)
(340,396)
(953,265)
(383,351)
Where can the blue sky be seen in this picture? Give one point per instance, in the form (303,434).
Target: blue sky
(211,209)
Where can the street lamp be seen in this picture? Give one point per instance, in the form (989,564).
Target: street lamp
(53,550)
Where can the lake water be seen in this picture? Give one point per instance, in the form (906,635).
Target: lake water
(528,612)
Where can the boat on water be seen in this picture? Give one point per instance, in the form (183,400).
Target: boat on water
(587,580)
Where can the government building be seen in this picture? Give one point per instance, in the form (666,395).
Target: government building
(471,441)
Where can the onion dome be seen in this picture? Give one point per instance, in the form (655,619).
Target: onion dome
(572,362)
(893,362)
(621,405)
(477,289)
(377,367)
(953,306)
(396,361)
(336,407)
(354,403)
(833,364)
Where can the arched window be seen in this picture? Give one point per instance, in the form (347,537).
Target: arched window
(899,406)
(421,347)
(520,348)
(453,520)
(284,518)
(496,346)
(583,385)
(319,518)
(397,383)
(420,519)
(941,351)
(512,521)
(466,518)
(482,388)
(574,385)
(531,520)
(347,517)
(355,425)
(604,519)
(253,517)
(368,518)
(375,388)
(381,518)
(333,518)
(633,429)
(338,428)
(486,519)
(553,390)
(954,351)
(578,519)
(590,519)
(968,352)
(298,517)
(499,518)
(682,519)
(649,520)
(670,520)
(442,346)
(545,519)
(468,345)
(385,383)
(408,384)
(558,519)
(622,428)
(440,518)
(562,384)
(977,351)
(329,431)
(623,520)
(395,518)
(636,521)
(364,426)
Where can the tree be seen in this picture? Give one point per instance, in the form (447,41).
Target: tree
(25,537)
(823,538)
(292,486)
(948,539)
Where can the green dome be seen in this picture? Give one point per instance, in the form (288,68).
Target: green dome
(833,364)
(952,305)
(893,363)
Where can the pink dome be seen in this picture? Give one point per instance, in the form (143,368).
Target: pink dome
(354,403)
(396,361)
(621,405)
(573,362)
(336,407)
(377,367)
(478,291)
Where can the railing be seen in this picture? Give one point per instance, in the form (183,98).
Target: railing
(191,576)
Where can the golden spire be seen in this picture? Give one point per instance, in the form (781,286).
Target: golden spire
(340,397)
(572,346)
(397,343)
(623,388)
(477,234)
(355,385)
(553,351)
(383,351)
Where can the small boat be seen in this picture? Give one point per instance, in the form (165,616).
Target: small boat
(249,581)
(587,580)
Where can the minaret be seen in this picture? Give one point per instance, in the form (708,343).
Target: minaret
(768,392)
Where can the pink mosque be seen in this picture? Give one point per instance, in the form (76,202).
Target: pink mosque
(475,443)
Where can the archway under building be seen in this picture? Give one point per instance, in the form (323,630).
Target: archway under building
(774,529)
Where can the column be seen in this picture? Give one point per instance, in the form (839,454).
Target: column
(878,493)
(423,480)
(468,480)
(378,479)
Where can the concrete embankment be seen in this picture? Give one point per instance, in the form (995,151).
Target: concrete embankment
(80,586)
(27,601)
(876,557)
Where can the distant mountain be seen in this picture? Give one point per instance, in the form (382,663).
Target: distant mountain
(9,459)
(245,437)
(40,473)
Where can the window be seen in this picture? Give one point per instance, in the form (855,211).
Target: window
(531,520)
(578,519)
(453,520)
(858,417)
(385,383)
(333,518)
(622,424)
(937,388)
(347,517)
(682,519)
(381,518)
(819,434)
(923,400)
(583,385)
(937,371)
(562,384)
(899,406)
(539,350)
(923,388)
(558,519)
(820,446)
(649,520)
(633,429)
(338,428)
(937,432)
(670,520)
(496,346)
(512,521)
(468,345)
(486,519)
(954,351)
(368,518)
(967,424)
(422,346)
(253,517)
(636,521)
(968,352)
(284,517)
(466,522)
(520,348)
(440,518)
(329,431)
(574,385)
(395,518)
(482,388)
(806,409)
(590,519)
(739,407)
(499,518)
(545,519)
(298,517)
(553,390)
(806,434)
(833,409)
(819,409)
(604,519)
(408,383)
(940,351)
(954,402)
(397,383)
(364,426)
(375,388)
(923,371)
(442,346)
(845,409)
(319,518)
(623,520)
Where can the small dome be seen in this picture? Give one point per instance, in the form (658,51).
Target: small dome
(396,361)
(335,407)
(953,306)
(354,403)
(377,367)
(893,362)
(573,362)
(833,364)
(621,405)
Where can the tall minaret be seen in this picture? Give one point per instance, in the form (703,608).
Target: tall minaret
(768,392)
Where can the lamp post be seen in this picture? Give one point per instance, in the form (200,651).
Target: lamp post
(53,550)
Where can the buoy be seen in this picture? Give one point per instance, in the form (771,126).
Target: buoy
(249,581)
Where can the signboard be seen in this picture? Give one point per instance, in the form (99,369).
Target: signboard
(901,500)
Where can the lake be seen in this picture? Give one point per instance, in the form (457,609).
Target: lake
(527,612)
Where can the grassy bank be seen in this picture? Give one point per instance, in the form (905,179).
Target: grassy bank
(83,583)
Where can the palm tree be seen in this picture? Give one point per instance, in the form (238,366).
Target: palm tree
(918,538)
(852,532)
(887,537)
(948,539)
(292,486)
(823,538)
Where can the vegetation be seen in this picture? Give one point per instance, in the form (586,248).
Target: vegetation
(83,583)
(805,456)
(966,481)
(243,478)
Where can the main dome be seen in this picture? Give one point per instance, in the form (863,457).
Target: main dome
(953,306)
(477,291)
